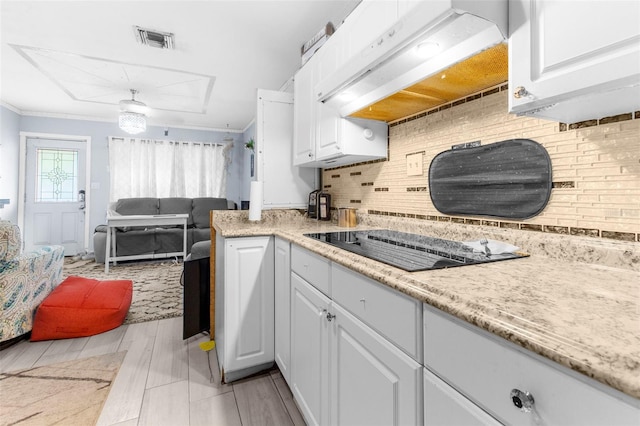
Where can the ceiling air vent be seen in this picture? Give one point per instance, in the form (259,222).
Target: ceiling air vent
(152,38)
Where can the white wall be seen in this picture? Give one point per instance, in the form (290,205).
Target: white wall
(246,160)
(99,131)
(9,151)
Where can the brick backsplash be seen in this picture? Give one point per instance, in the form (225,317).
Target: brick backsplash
(595,167)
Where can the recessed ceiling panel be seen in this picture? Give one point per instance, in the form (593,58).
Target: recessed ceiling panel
(103,81)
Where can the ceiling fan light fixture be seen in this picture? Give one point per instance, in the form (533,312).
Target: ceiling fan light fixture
(132,118)
(132,122)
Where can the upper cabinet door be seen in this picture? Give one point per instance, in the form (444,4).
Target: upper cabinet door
(564,50)
(366,23)
(285,186)
(304,111)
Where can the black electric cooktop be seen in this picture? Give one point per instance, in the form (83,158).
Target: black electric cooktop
(409,252)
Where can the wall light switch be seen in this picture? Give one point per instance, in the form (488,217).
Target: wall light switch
(414,164)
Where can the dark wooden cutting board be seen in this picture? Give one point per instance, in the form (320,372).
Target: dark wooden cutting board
(509,179)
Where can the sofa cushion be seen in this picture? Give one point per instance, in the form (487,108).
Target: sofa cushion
(200,234)
(133,206)
(136,241)
(201,208)
(169,240)
(81,307)
(176,206)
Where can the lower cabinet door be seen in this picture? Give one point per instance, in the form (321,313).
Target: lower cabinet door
(309,351)
(372,381)
(282,290)
(444,406)
(248,302)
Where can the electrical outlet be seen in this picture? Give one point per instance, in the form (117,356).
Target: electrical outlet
(414,164)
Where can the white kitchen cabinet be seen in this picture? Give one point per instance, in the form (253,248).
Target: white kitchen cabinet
(487,369)
(372,381)
(365,23)
(304,113)
(285,185)
(315,269)
(573,61)
(343,372)
(282,303)
(310,351)
(244,305)
(322,138)
(341,141)
(444,406)
(406,6)
(392,314)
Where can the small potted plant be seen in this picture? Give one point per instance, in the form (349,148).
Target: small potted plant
(250,144)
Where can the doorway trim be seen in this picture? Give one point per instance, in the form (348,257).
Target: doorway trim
(23,176)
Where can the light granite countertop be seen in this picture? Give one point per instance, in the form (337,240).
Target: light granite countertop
(575,300)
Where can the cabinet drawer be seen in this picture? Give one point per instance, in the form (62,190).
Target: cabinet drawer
(444,406)
(313,268)
(396,316)
(486,368)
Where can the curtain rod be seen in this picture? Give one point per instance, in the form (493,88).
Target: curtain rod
(174,142)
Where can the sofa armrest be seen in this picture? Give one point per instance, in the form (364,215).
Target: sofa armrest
(26,281)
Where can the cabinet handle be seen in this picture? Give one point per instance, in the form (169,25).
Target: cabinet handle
(523,400)
(330,316)
(368,134)
(520,92)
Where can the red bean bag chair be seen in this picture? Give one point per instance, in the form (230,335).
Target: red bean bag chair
(81,307)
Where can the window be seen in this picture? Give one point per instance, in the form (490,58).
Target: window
(148,168)
(56,175)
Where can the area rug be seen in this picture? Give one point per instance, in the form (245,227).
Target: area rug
(67,393)
(157,293)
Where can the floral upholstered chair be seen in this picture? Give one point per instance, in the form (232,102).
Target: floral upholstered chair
(25,280)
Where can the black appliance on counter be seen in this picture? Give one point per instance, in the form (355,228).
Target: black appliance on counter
(319,206)
(312,207)
(410,252)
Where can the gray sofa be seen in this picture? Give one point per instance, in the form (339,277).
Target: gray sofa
(140,240)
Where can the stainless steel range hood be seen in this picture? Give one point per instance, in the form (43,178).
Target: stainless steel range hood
(456,29)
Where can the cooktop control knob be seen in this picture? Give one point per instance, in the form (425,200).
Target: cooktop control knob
(523,400)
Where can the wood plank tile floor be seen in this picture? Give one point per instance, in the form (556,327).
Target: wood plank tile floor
(165,380)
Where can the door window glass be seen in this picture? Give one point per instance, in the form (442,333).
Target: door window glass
(56,175)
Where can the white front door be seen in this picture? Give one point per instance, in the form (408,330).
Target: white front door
(55,194)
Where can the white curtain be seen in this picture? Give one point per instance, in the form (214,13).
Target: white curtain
(150,168)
